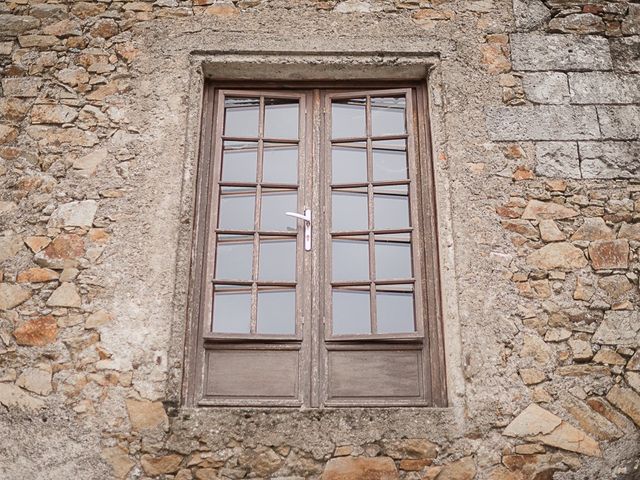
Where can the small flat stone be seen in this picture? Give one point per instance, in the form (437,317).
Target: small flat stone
(532,376)
(37,275)
(66,295)
(609,254)
(159,465)
(557,335)
(37,332)
(630,231)
(358,468)
(54,114)
(560,255)
(619,328)
(98,319)
(12,295)
(118,459)
(633,379)
(589,420)
(74,214)
(634,362)
(627,401)
(9,246)
(608,357)
(463,469)
(549,231)
(37,243)
(88,164)
(593,229)
(145,415)
(415,448)
(537,210)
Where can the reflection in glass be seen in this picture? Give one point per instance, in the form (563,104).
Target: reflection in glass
(280,164)
(275,203)
(239,161)
(276,312)
(393,260)
(237,205)
(351,312)
(350,259)
(391,207)
(389,160)
(277,260)
(349,210)
(348,118)
(234,257)
(349,163)
(241,117)
(231,309)
(280,118)
(395,312)
(387,116)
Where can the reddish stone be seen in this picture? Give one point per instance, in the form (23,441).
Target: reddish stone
(608,254)
(37,332)
(37,275)
(509,212)
(356,468)
(65,246)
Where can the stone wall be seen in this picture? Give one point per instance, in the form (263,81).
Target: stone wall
(536,132)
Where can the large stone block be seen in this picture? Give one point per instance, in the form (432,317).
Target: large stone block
(12,25)
(542,123)
(546,87)
(620,122)
(626,54)
(604,87)
(610,159)
(608,254)
(539,52)
(558,159)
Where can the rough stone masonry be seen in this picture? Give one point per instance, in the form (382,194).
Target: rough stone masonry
(536,145)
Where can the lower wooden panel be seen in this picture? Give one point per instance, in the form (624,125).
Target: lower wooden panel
(237,373)
(383,374)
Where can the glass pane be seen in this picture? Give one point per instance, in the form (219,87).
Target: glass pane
(237,206)
(231,310)
(389,160)
(348,118)
(280,163)
(234,257)
(349,210)
(277,260)
(349,163)
(393,260)
(239,161)
(350,259)
(241,117)
(351,312)
(276,311)
(391,207)
(274,206)
(395,312)
(387,116)
(280,118)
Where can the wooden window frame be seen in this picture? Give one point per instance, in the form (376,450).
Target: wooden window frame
(311,390)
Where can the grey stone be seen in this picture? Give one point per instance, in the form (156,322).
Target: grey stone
(21,87)
(536,52)
(557,159)
(12,295)
(546,87)
(631,23)
(620,122)
(625,53)
(542,123)
(610,159)
(619,328)
(9,246)
(12,25)
(74,214)
(604,87)
(578,23)
(530,14)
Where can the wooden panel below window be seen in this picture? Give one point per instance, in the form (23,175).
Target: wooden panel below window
(243,373)
(374,373)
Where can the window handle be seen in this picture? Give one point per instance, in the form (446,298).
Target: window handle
(306,218)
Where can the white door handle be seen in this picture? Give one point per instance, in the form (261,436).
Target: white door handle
(306,218)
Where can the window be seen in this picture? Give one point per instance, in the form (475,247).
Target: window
(315,261)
